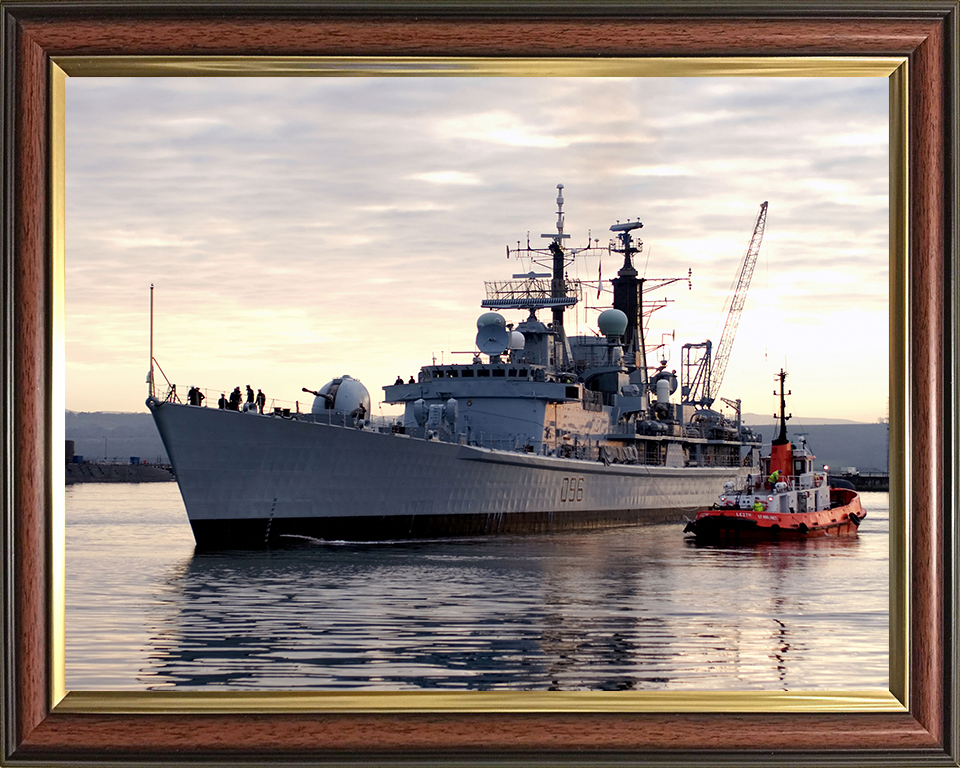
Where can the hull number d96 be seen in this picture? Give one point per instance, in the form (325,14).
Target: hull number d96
(571,489)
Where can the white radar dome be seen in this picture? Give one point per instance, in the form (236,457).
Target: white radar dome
(516,340)
(491,318)
(612,322)
(344,396)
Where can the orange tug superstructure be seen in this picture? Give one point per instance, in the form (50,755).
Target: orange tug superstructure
(786,500)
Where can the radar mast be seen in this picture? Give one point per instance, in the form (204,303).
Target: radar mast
(532,292)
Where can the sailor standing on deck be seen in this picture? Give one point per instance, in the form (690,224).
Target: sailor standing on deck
(194,396)
(261,400)
(222,402)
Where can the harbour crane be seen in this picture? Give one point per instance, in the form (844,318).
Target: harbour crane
(701,373)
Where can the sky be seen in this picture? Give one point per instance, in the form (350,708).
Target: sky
(300,229)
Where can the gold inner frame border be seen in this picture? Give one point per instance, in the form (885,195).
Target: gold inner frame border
(782,702)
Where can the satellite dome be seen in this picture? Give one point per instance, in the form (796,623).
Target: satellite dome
(492,339)
(516,340)
(343,396)
(612,322)
(491,318)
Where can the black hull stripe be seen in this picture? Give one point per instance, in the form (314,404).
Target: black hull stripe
(731,530)
(279,532)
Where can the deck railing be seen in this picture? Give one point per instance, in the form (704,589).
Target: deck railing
(273,406)
(793,483)
(211,397)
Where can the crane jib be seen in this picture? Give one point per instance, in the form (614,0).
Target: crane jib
(701,377)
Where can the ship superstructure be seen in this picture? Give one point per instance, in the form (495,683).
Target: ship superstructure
(586,397)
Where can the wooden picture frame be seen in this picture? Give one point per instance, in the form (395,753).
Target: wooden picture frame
(916,723)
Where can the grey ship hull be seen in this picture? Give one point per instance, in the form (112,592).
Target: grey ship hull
(251,481)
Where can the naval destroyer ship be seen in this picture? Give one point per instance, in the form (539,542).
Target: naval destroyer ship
(540,432)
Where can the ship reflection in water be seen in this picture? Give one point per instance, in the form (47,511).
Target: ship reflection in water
(627,609)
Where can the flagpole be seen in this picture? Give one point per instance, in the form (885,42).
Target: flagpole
(151,341)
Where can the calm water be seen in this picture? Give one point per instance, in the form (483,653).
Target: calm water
(640,608)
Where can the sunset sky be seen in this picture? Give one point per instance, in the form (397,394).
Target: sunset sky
(304,228)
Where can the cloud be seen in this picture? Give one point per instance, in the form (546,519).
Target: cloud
(446,177)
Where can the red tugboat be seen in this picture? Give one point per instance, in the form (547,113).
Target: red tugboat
(787,500)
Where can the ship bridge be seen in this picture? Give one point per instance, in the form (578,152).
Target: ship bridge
(485,380)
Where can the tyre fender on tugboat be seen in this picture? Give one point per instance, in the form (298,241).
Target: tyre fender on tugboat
(837,483)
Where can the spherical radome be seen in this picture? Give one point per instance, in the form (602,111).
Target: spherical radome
(612,322)
(491,318)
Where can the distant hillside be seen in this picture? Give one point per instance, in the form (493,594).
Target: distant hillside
(754,418)
(133,434)
(863,446)
(127,434)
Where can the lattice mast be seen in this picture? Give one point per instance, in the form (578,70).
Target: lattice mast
(558,285)
(532,292)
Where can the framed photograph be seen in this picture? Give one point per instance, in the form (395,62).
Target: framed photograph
(45,44)
(352,231)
